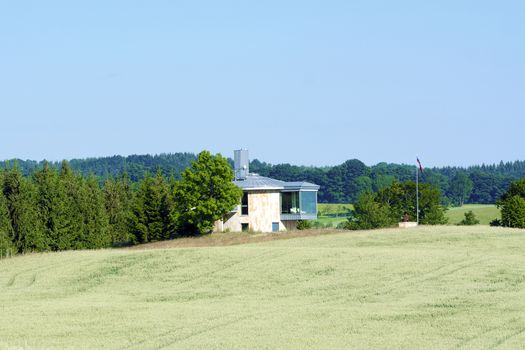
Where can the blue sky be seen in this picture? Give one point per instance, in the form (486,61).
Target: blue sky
(304,82)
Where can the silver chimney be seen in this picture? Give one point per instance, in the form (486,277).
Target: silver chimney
(242,164)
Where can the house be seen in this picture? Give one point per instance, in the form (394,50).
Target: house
(268,205)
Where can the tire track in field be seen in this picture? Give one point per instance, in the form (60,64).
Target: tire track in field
(260,258)
(13,278)
(203,331)
(253,261)
(504,339)
(446,269)
(485,333)
(434,274)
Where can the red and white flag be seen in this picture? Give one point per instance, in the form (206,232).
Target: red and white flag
(420,167)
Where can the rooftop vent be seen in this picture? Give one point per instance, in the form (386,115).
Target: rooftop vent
(242,164)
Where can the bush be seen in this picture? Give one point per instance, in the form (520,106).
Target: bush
(369,214)
(495,222)
(513,212)
(470,219)
(304,225)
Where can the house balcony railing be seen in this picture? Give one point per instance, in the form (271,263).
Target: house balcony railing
(298,216)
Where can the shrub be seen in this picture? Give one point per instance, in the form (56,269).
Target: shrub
(470,219)
(513,212)
(495,222)
(304,225)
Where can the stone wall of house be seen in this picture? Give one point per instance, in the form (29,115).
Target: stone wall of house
(264,208)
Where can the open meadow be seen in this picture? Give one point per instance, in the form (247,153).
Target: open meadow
(430,287)
(485,213)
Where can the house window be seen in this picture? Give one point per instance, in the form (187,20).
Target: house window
(245,227)
(308,202)
(244,204)
(290,203)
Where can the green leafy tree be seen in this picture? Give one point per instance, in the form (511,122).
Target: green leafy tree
(370,213)
(205,194)
(513,212)
(460,188)
(387,206)
(512,205)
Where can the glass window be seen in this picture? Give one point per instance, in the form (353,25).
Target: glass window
(290,203)
(308,202)
(245,227)
(244,204)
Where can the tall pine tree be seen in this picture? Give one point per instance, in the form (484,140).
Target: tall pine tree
(27,229)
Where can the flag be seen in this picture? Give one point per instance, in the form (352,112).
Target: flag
(420,167)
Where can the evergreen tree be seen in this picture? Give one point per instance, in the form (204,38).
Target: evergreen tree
(118,196)
(95,229)
(71,185)
(51,205)
(27,228)
(152,207)
(6,232)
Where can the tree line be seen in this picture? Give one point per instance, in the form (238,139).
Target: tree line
(397,202)
(56,209)
(483,184)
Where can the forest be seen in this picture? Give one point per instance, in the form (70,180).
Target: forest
(60,209)
(481,184)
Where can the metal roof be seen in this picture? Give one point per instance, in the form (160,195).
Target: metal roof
(300,185)
(257,182)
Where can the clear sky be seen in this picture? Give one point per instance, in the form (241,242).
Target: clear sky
(304,82)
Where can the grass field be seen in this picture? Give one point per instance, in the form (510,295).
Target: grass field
(431,287)
(485,213)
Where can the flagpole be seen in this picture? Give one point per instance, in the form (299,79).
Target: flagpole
(417,194)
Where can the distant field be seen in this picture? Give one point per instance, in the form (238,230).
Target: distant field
(330,215)
(334,209)
(484,212)
(428,287)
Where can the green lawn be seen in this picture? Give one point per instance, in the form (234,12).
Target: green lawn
(485,213)
(326,221)
(429,287)
(330,214)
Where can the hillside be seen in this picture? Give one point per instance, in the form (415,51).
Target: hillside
(431,287)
